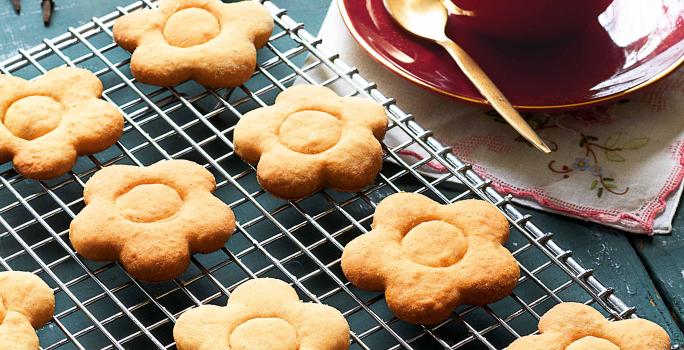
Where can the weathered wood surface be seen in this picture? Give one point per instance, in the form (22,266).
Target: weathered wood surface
(646,272)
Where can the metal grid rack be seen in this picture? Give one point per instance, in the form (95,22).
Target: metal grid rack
(99,306)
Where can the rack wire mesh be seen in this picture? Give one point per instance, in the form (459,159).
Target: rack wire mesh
(99,306)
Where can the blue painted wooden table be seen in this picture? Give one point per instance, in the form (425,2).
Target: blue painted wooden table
(646,272)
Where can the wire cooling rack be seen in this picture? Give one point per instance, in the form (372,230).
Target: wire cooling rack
(99,306)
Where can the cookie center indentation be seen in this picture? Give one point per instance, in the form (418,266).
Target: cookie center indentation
(310,132)
(33,116)
(435,244)
(264,334)
(592,343)
(149,203)
(190,27)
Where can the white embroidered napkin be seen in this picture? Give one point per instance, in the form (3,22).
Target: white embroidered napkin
(620,165)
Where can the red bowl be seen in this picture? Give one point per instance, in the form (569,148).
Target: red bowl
(632,44)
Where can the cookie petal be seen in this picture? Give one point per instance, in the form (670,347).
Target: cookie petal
(94,124)
(304,97)
(11,89)
(318,326)
(288,174)
(68,85)
(224,63)
(403,211)
(134,28)
(32,161)
(366,113)
(210,231)
(636,334)
(16,333)
(256,132)
(203,328)
(367,260)
(7,144)
(268,294)
(158,64)
(257,27)
(583,322)
(154,257)
(26,294)
(98,232)
(539,342)
(109,182)
(354,162)
(477,218)
(420,295)
(487,272)
(184,175)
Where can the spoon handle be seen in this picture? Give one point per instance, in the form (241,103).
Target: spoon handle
(495,97)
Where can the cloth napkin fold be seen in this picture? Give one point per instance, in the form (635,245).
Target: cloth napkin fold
(620,165)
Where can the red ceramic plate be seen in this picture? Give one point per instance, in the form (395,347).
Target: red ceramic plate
(631,45)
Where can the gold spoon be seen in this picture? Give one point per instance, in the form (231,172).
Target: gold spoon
(427,19)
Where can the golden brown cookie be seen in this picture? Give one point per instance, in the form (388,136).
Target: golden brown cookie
(262,314)
(429,258)
(151,219)
(26,304)
(47,122)
(573,326)
(205,40)
(313,138)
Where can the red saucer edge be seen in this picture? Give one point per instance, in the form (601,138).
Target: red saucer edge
(481,101)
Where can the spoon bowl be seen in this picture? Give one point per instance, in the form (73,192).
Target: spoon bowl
(413,15)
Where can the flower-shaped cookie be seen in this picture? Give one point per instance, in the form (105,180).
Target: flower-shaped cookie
(151,219)
(429,258)
(313,138)
(47,122)
(205,40)
(26,304)
(262,314)
(573,326)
